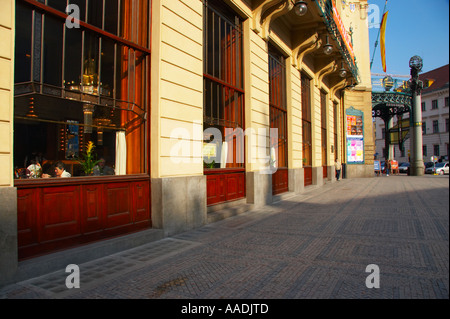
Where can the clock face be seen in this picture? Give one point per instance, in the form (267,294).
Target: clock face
(416,62)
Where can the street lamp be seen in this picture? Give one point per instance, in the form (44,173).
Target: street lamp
(328,48)
(300,8)
(417,167)
(342,71)
(388,83)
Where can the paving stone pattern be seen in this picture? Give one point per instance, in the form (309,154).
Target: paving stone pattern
(314,245)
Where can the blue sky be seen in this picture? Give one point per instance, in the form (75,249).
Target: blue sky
(413,28)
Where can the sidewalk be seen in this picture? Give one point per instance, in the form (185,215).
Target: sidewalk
(314,245)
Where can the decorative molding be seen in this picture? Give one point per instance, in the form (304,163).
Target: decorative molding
(311,44)
(388,104)
(340,85)
(267,12)
(327,69)
(391,98)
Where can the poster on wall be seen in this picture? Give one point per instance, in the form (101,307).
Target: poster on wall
(355,136)
(355,150)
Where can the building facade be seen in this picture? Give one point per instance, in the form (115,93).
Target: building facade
(435,120)
(195,106)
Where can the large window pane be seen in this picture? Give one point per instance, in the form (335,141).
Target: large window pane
(223,95)
(95,13)
(111,16)
(90,63)
(53,40)
(57,4)
(82,5)
(97,85)
(72,59)
(107,68)
(277,102)
(306,120)
(23,44)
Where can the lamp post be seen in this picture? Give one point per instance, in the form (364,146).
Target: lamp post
(388,84)
(417,167)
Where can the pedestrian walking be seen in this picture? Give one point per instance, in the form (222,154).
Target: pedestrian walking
(338,167)
(388,167)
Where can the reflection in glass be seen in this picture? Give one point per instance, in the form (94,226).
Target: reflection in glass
(107,68)
(53,39)
(23,44)
(90,64)
(111,14)
(72,59)
(95,13)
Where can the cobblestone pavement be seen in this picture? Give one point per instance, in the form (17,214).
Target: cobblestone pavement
(314,245)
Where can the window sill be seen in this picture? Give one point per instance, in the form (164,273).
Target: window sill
(74,181)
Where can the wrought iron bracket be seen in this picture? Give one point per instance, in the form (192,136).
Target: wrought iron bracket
(388,104)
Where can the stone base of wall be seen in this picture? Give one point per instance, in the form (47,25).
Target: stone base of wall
(8,235)
(178,203)
(258,188)
(317,176)
(331,171)
(360,171)
(296,180)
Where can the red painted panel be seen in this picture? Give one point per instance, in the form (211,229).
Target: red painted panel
(65,214)
(92,212)
(117,203)
(308,176)
(232,186)
(141,200)
(215,189)
(280,182)
(325,171)
(223,187)
(59,217)
(26,216)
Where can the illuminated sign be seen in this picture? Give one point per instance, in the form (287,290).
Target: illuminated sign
(345,35)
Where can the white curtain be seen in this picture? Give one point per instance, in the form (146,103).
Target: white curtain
(224,155)
(121,153)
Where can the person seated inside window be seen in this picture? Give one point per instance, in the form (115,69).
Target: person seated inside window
(101,169)
(59,171)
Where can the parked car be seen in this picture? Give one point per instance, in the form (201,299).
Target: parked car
(427,165)
(439,168)
(403,168)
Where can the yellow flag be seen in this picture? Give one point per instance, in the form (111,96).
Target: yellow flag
(382,40)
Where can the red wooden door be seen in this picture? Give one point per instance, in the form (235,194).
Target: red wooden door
(308,176)
(280,181)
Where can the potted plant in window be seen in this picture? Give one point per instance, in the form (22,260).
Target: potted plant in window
(90,159)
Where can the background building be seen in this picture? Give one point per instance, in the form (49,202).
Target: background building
(179,98)
(435,120)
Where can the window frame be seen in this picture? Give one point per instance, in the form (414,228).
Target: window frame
(278,103)
(137,103)
(307,144)
(435,126)
(223,84)
(434,104)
